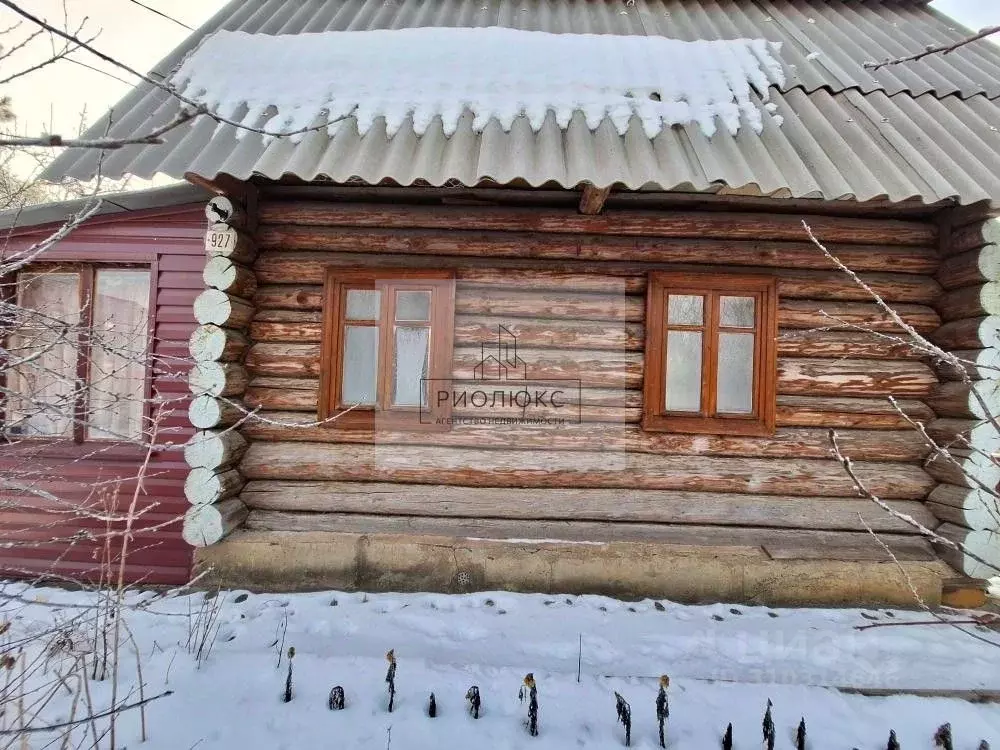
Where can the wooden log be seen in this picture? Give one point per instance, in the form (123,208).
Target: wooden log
(301,395)
(978,364)
(507,196)
(520,468)
(206,412)
(205,525)
(567,334)
(970,302)
(970,268)
(969,518)
(218,378)
(287,296)
(969,469)
(227,242)
(215,449)
(625,370)
(309,268)
(287,326)
(584,306)
(292,394)
(978,400)
(787,543)
(867,315)
(210,343)
(225,275)
(821,344)
(983,544)
(792,411)
(891,287)
(574,305)
(974,235)
(275,325)
(969,333)
(221,209)
(960,434)
(749,253)
(205,486)
(592,199)
(964,506)
(593,368)
(825,377)
(867,413)
(729,226)
(221,309)
(637,506)
(973,213)
(864,445)
(296,360)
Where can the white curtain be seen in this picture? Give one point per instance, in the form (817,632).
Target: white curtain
(42,351)
(118,346)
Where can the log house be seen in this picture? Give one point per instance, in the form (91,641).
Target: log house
(559,357)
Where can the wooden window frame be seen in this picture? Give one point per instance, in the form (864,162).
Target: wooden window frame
(763,288)
(441,285)
(87,271)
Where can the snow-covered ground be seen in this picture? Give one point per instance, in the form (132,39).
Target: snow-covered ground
(724,662)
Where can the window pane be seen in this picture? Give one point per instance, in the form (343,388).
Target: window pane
(363,304)
(360,365)
(44,386)
(736,312)
(683,371)
(685,309)
(410,366)
(735,381)
(413,306)
(116,380)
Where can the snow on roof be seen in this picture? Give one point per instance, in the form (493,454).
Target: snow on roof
(297,81)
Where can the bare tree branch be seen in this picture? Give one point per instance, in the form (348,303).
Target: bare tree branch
(104,714)
(165,87)
(106,144)
(909,520)
(943,49)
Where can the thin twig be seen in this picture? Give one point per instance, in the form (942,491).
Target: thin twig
(154,137)
(971,621)
(943,49)
(104,714)
(165,87)
(862,488)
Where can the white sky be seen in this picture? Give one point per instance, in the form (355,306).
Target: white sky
(52,99)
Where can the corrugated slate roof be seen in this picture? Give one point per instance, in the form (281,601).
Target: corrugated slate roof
(928,129)
(113,203)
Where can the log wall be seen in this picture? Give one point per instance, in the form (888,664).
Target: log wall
(218,378)
(571,287)
(968,399)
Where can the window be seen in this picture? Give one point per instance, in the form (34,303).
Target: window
(388,336)
(710,354)
(78,360)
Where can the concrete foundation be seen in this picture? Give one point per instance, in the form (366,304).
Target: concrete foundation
(299,561)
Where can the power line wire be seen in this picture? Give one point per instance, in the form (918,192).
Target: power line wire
(98,70)
(161,14)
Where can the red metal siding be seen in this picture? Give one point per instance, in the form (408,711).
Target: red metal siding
(171,242)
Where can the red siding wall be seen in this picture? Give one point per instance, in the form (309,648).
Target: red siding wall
(170,240)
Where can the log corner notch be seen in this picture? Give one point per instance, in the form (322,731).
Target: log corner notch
(592,199)
(970,314)
(218,378)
